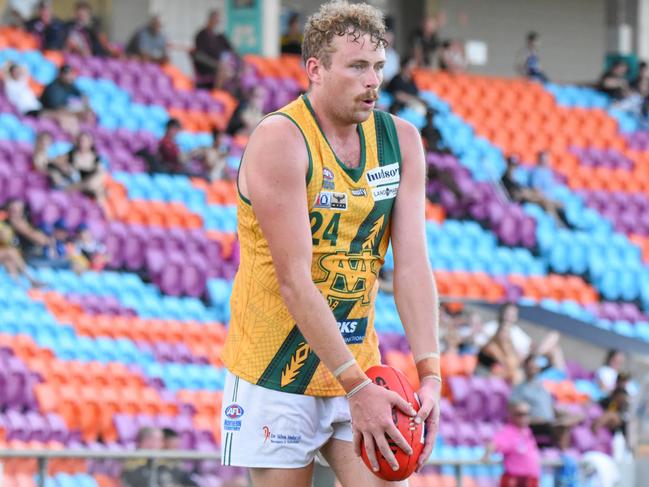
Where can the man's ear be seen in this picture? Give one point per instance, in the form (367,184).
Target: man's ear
(314,70)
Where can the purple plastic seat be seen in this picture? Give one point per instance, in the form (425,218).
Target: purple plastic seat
(583,438)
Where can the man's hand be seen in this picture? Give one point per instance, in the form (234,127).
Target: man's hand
(429,394)
(371,411)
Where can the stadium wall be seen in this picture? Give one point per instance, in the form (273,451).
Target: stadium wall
(573,33)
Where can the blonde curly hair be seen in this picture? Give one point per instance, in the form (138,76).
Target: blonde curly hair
(339,18)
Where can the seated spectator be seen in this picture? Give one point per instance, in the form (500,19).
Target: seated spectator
(550,425)
(522,194)
(62,175)
(83,37)
(87,253)
(430,134)
(30,240)
(451,57)
(49,29)
(149,42)
(615,84)
(55,255)
(425,41)
(606,376)
(65,102)
(641,82)
(499,356)
(41,156)
(84,160)
(11,258)
(169,158)
(214,157)
(528,63)
(173,469)
(404,89)
(210,45)
(136,472)
(248,113)
(616,411)
(19,92)
(521,455)
(542,177)
(291,41)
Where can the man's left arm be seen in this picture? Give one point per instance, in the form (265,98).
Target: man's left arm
(415,292)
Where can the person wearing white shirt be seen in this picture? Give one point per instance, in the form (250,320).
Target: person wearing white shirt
(607,374)
(18,91)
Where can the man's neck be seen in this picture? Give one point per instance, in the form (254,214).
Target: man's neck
(331,127)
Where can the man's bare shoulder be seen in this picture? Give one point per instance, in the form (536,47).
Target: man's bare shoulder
(276,148)
(409,139)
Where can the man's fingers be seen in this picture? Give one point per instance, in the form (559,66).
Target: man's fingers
(402,404)
(385,450)
(370,449)
(432,424)
(424,410)
(396,436)
(357,441)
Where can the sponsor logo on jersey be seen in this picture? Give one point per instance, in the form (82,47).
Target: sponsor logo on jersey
(328,185)
(327,174)
(353,330)
(359,192)
(266,433)
(233,413)
(331,200)
(385,192)
(383,175)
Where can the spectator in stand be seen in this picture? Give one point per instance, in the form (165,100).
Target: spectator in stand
(56,255)
(426,42)
(404,89)
(451,57)
(430,134)
(169,158)
(248,113)
(519,193)
(210,46)
(63,101)
(214,157)
(641,86)
(83,36)
(616,412)
(614,83)
(10,257)
(30,240)
(291,41)
(607,374)
(136,472)
(550,425)
(49,29)
(542,177)
(62,175)
(41,156)
(173,469)
(521,455)
(87,252)
(527,60)
(18,91)
(149,42)
(84,160)
(499,355)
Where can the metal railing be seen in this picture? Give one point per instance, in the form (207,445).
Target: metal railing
(153,457)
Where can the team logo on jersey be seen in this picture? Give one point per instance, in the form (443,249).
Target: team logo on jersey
(328,185)
(331,200)
(385,192)
(383,175)
(359,192)
(327,174)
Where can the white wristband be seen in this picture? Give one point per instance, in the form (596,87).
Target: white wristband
(360,386)
(423,356)
(344,367)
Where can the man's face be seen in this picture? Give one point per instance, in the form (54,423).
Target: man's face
(531,368)
(520,415)
(153,441)
(352,80)
(173,443)
(84,16)
(213,20)
(68,77)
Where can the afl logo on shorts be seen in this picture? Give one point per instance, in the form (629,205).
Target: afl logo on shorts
(234,411)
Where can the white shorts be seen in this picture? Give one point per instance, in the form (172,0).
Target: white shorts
(265,428)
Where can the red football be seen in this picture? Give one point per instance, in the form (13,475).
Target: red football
(394,380)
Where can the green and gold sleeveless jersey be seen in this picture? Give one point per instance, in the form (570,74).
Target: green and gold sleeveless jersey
(350,212)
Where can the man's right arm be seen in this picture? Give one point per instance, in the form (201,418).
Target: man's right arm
(273,175)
